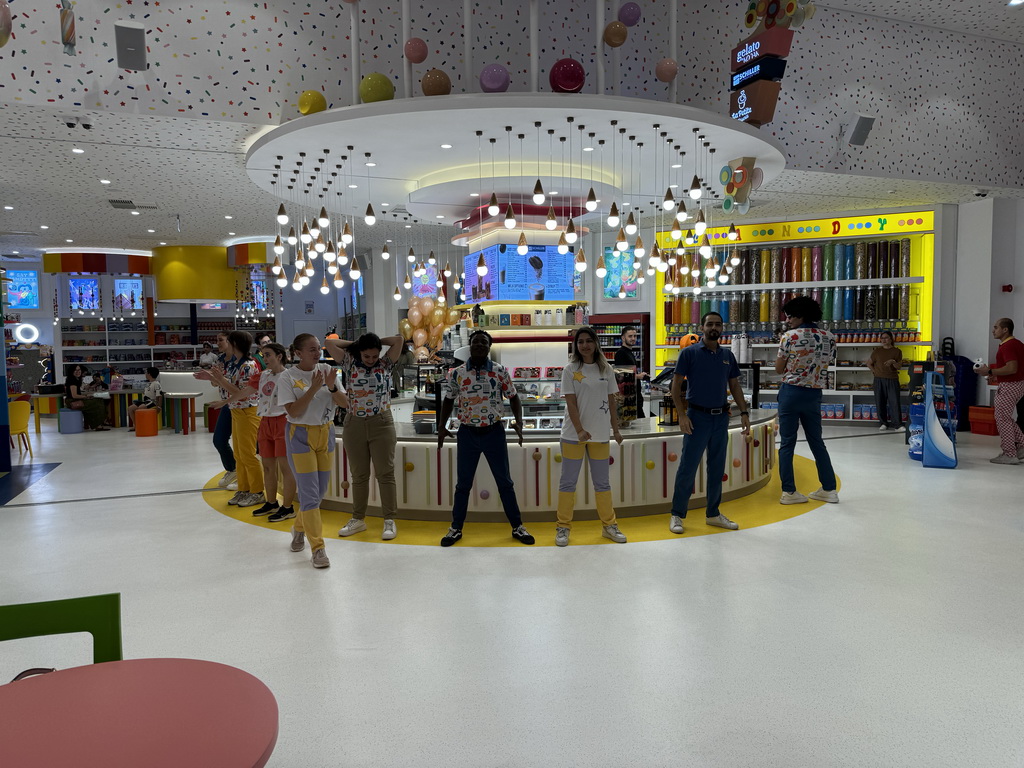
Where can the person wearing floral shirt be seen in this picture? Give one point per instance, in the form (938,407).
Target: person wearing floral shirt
(475,391)
(805,354)
(369,430)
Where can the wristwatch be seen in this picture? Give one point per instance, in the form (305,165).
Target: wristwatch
(332,391)
(744,413)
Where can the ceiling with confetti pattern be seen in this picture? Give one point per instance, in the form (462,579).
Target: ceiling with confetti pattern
(173,138)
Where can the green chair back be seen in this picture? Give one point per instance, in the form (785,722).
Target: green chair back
(99,615)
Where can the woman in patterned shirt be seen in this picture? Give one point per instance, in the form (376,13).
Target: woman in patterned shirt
(368,433)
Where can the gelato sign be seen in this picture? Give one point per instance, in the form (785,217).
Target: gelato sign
(758,64)
(776,41)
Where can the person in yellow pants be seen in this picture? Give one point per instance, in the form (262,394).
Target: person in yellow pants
(309,393)
(591,419)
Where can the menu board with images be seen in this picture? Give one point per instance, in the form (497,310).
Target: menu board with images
(543,274)
(127,294)
(620,276)
(23,289)
(84,293)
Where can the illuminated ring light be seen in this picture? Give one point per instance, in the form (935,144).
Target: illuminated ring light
(26,333)
(725,175)
(740,176)
(728,203)
(730,188)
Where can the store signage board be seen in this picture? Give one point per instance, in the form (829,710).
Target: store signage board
(876,225)
(22,289)
(543,274)
(755,103)
(83,293)
(768,68)
(776,41)
(128,294)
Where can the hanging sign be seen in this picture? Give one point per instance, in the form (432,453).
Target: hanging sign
(755,103)
(767,68)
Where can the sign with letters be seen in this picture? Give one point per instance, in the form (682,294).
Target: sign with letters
(755,103)
(776,41)
(767,68)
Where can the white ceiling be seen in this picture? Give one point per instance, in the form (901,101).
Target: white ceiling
(991,18)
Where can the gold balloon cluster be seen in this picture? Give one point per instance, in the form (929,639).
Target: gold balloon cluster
(426,324)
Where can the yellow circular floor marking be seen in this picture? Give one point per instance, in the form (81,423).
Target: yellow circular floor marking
(760,508)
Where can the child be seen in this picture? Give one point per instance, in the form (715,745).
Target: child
(151,397)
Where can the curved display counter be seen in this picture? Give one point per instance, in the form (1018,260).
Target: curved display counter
(642,473)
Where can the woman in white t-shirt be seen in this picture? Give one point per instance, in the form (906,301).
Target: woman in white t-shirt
(591,419)
(309,393)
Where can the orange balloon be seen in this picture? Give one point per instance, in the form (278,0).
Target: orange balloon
(333,336)
(419,337)
(426,305)
(436,83)
(615,34)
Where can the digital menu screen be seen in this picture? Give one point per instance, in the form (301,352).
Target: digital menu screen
(84,293)
(543,274)
(23,289)
(127,294)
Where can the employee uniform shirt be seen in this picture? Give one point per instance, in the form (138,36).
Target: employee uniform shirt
(294,383)
(478,393)
(265,383)
(240,374)
(1010,349)
(208,358)
(591,388)
(707,374)
(880,356)
(808,351)
(368,388)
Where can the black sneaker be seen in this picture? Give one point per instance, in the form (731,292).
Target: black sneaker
(522,535)
(266,509)
(284,513)
(453,535)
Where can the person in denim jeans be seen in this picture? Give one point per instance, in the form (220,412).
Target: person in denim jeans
(709,371)
(475,391)
(805,353)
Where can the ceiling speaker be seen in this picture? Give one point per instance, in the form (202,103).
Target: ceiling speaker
(858,129)
(130,38)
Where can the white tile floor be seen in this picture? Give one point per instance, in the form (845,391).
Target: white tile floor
(885,630)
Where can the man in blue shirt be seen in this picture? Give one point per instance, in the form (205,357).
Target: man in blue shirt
(709,371)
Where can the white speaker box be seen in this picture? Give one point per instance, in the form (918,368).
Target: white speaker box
(130,38)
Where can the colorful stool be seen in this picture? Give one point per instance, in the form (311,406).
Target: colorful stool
(70,422)
(146,422)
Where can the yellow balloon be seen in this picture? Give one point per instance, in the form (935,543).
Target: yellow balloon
(312,101)
(437,316)
(405,328)
(376,87)
(453,316)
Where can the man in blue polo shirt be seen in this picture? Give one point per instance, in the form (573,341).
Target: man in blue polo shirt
(709,371)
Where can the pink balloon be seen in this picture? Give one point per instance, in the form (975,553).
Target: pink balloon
(494,78)
(666,70)
(629,14)
(415,318)
(415,50)
(567,76)
(419,337)
(426,305)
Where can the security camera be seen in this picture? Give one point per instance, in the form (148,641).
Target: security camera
(980,193)
(70,122)
(87,126)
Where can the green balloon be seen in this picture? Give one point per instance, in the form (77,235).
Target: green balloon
(376,87)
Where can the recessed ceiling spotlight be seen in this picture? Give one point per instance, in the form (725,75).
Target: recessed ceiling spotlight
(474,194)
(588,149)
(408,226)
(43,226)
(231,233)
(1016,2)
(8,207)
(104,181)
(135,213)
(673,186)
(677,165)
(15,251)
(440,216)
(78,151)
(162,243)
(69,241)
(151,230)
(229,217)
(353,186)
(446,146)
(384,205)
(371,165)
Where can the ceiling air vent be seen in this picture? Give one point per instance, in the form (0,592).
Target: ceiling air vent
(130,205)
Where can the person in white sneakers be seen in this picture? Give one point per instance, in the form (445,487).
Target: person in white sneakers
(711,373)
(591,418)
(805,354)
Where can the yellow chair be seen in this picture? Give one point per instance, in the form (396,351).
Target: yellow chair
(19,412)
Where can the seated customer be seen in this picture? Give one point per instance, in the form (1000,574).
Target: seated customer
(96,385)
(94,412)
(151,397)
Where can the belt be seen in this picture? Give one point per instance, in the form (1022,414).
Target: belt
(480,430)
(712,411)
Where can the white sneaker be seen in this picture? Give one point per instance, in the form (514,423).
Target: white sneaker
(232,486)
(227,479)
(252,500)
(238,497)
(832,497)
(612,532)
(389,530)
(675,524)
(901,428)
(1004,459)
(721,521)
(352,526)
(320,559)
(883,428)
(561,537)
(792,498)
(298,541)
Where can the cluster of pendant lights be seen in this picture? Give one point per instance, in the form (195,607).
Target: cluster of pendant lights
(315,240)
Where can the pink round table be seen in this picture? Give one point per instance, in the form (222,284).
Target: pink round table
(151,712)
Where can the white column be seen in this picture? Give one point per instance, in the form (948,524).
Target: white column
(407,89)
(356,63)
(467,45)
(599,44)
(673,46)
(534,46)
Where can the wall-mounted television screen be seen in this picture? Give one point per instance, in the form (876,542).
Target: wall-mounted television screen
(542,274)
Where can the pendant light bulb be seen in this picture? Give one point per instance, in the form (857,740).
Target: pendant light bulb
(342,257)
(538,193)
(303,279)
(733,234)
(676,232)
(681,214)
(697,290)
(385,254)
(656,254)
(563,246)
(591,204)
(370,218)
(309,269)
(346,235)
(695,189)
(314,229)
(685,269)
(276,269)
(705,246)
(338,282)
(300,264)
(411,256)
(735,261)
(551,223)
(523,247)
(670,201)
(620,240)
(690,239)
(631,226)
(282,281)
(699,225)
(662,266)
(296,283)
(332,269)
(723,279)
(570,233)
(305,236)
(431,259)
(331,254)
(613,216)
(510,217)
(481,266)
(324,288)
(581,261)
(292,239)
(601,270)
(354,272)
(447,269)
(408,281)
(320,246)
(398,294)
(322,219)
(278,246)
(638,249)
(492,205)
(282,215)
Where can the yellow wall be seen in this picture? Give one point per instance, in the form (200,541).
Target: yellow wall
(193,273)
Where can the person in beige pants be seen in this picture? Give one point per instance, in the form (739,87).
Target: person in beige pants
(369,430)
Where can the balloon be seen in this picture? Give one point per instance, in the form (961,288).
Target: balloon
(453,316)
(426,305)
(436,83)
(376,87)
(422,353)
(419,337)
(567,76)
(333,336)
(413,301)
(5,23)
(405,328)
(415,318)
(494,78)
(615,34)
(415,50)
(312,101)
(437,316)
(666,70)
(629,14)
